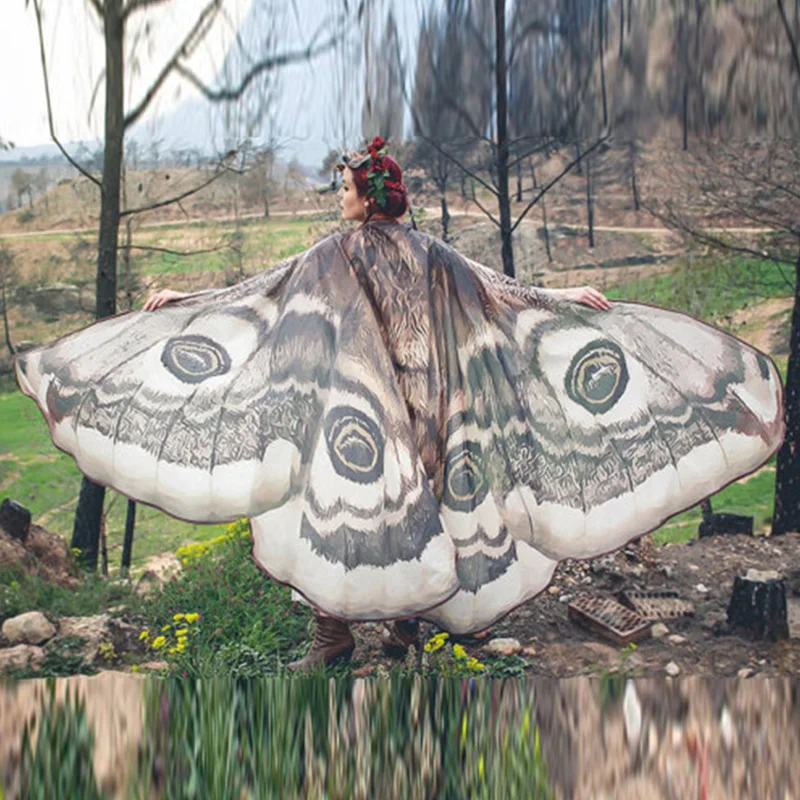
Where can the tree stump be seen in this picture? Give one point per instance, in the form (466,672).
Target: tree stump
(716,524)
(15,519)
(758,606)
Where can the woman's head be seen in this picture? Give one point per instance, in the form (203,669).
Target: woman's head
(372,185)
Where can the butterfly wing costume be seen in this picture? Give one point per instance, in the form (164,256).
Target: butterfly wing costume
(409,432)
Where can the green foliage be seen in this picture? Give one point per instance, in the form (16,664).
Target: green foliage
(612,681)
(21,592)
(237,606)
(60,762)
(709,288)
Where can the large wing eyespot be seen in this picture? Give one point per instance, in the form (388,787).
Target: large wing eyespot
(597,376)
(465,479)
(194,359)
(355,444)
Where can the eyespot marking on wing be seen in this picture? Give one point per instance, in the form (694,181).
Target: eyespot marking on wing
(355,444)
(194,359)
(597,376)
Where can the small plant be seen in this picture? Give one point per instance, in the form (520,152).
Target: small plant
(448,660)
(612,681)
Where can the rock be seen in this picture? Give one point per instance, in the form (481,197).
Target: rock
(33,627)
(632,715)
(15,519)
(554,589)
(149,584)
(529,651)
(100,629)
(667,571)
(702,588)
(503,647)
(41,553)
(672,669)
(154,666)
(57,298)
(565,598)
(20,657)
(745,672)
(677,639)
(659,630)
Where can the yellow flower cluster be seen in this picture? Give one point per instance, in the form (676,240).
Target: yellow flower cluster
(196,550)
(180,628)
(438,641)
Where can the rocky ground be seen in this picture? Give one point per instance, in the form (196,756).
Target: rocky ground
(700,571)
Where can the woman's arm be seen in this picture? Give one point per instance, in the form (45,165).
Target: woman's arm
(164,296)
(585,295)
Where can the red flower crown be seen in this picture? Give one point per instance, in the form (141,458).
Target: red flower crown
(378,175)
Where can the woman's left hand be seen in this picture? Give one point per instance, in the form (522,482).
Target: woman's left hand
(586,295)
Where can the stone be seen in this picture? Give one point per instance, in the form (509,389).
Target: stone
(149,584)
(672,669)
(529,651)
(20,657)
(702,588)
(565,598)
(99,629)
(676,638)
(668,571)
(503,647)
(15,519)
(554,590)
(659,630)
(33,627)
(153,666)
(745,672)
(57,298)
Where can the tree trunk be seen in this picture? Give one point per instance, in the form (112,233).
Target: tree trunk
(445,218)
(502,137)
(127,542)
(621,27)
(519,181)
(601,36)
(589,199)
(6,330)
(786,516)
(634,185)
(545,227)
(88,514)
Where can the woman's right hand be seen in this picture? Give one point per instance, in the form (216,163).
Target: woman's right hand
(161,298)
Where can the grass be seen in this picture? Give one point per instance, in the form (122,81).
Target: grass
(33,472)
(708,288)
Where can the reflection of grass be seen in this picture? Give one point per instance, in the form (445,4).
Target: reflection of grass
(46,481)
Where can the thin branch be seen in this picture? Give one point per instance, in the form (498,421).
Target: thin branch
(485,210)
(188,193)
(790,37)
(266,64)
(99,10)
(53,136)
(167,250)
(203,20)
(555,180)
(466,170)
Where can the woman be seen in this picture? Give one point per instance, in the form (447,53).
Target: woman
(411,434)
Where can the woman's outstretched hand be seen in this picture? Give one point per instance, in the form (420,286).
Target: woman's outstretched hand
(587,296)
(161,298)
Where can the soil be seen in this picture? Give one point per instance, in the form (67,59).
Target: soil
(701,571)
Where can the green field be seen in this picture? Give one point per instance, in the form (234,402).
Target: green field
(45,480)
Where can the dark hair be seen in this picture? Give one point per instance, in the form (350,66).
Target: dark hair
(395,192)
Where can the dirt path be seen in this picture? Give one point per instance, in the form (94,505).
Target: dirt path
(760,323)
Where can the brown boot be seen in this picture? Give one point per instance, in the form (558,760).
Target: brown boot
(332,641)
(397,636)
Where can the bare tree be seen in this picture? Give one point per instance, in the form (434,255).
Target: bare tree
(8,276)
(114,16)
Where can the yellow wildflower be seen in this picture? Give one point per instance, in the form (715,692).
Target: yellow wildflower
(436,642)
(178,617)
(171,650)
(158,642)
(473,663)
(193,617)
(144,636)
(459,651)
(135,668)
(182,632)
(181,646)
(165,628)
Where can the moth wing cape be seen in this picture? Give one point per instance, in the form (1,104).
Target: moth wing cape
(409,432)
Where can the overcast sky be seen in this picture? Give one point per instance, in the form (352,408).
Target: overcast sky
(74,52)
